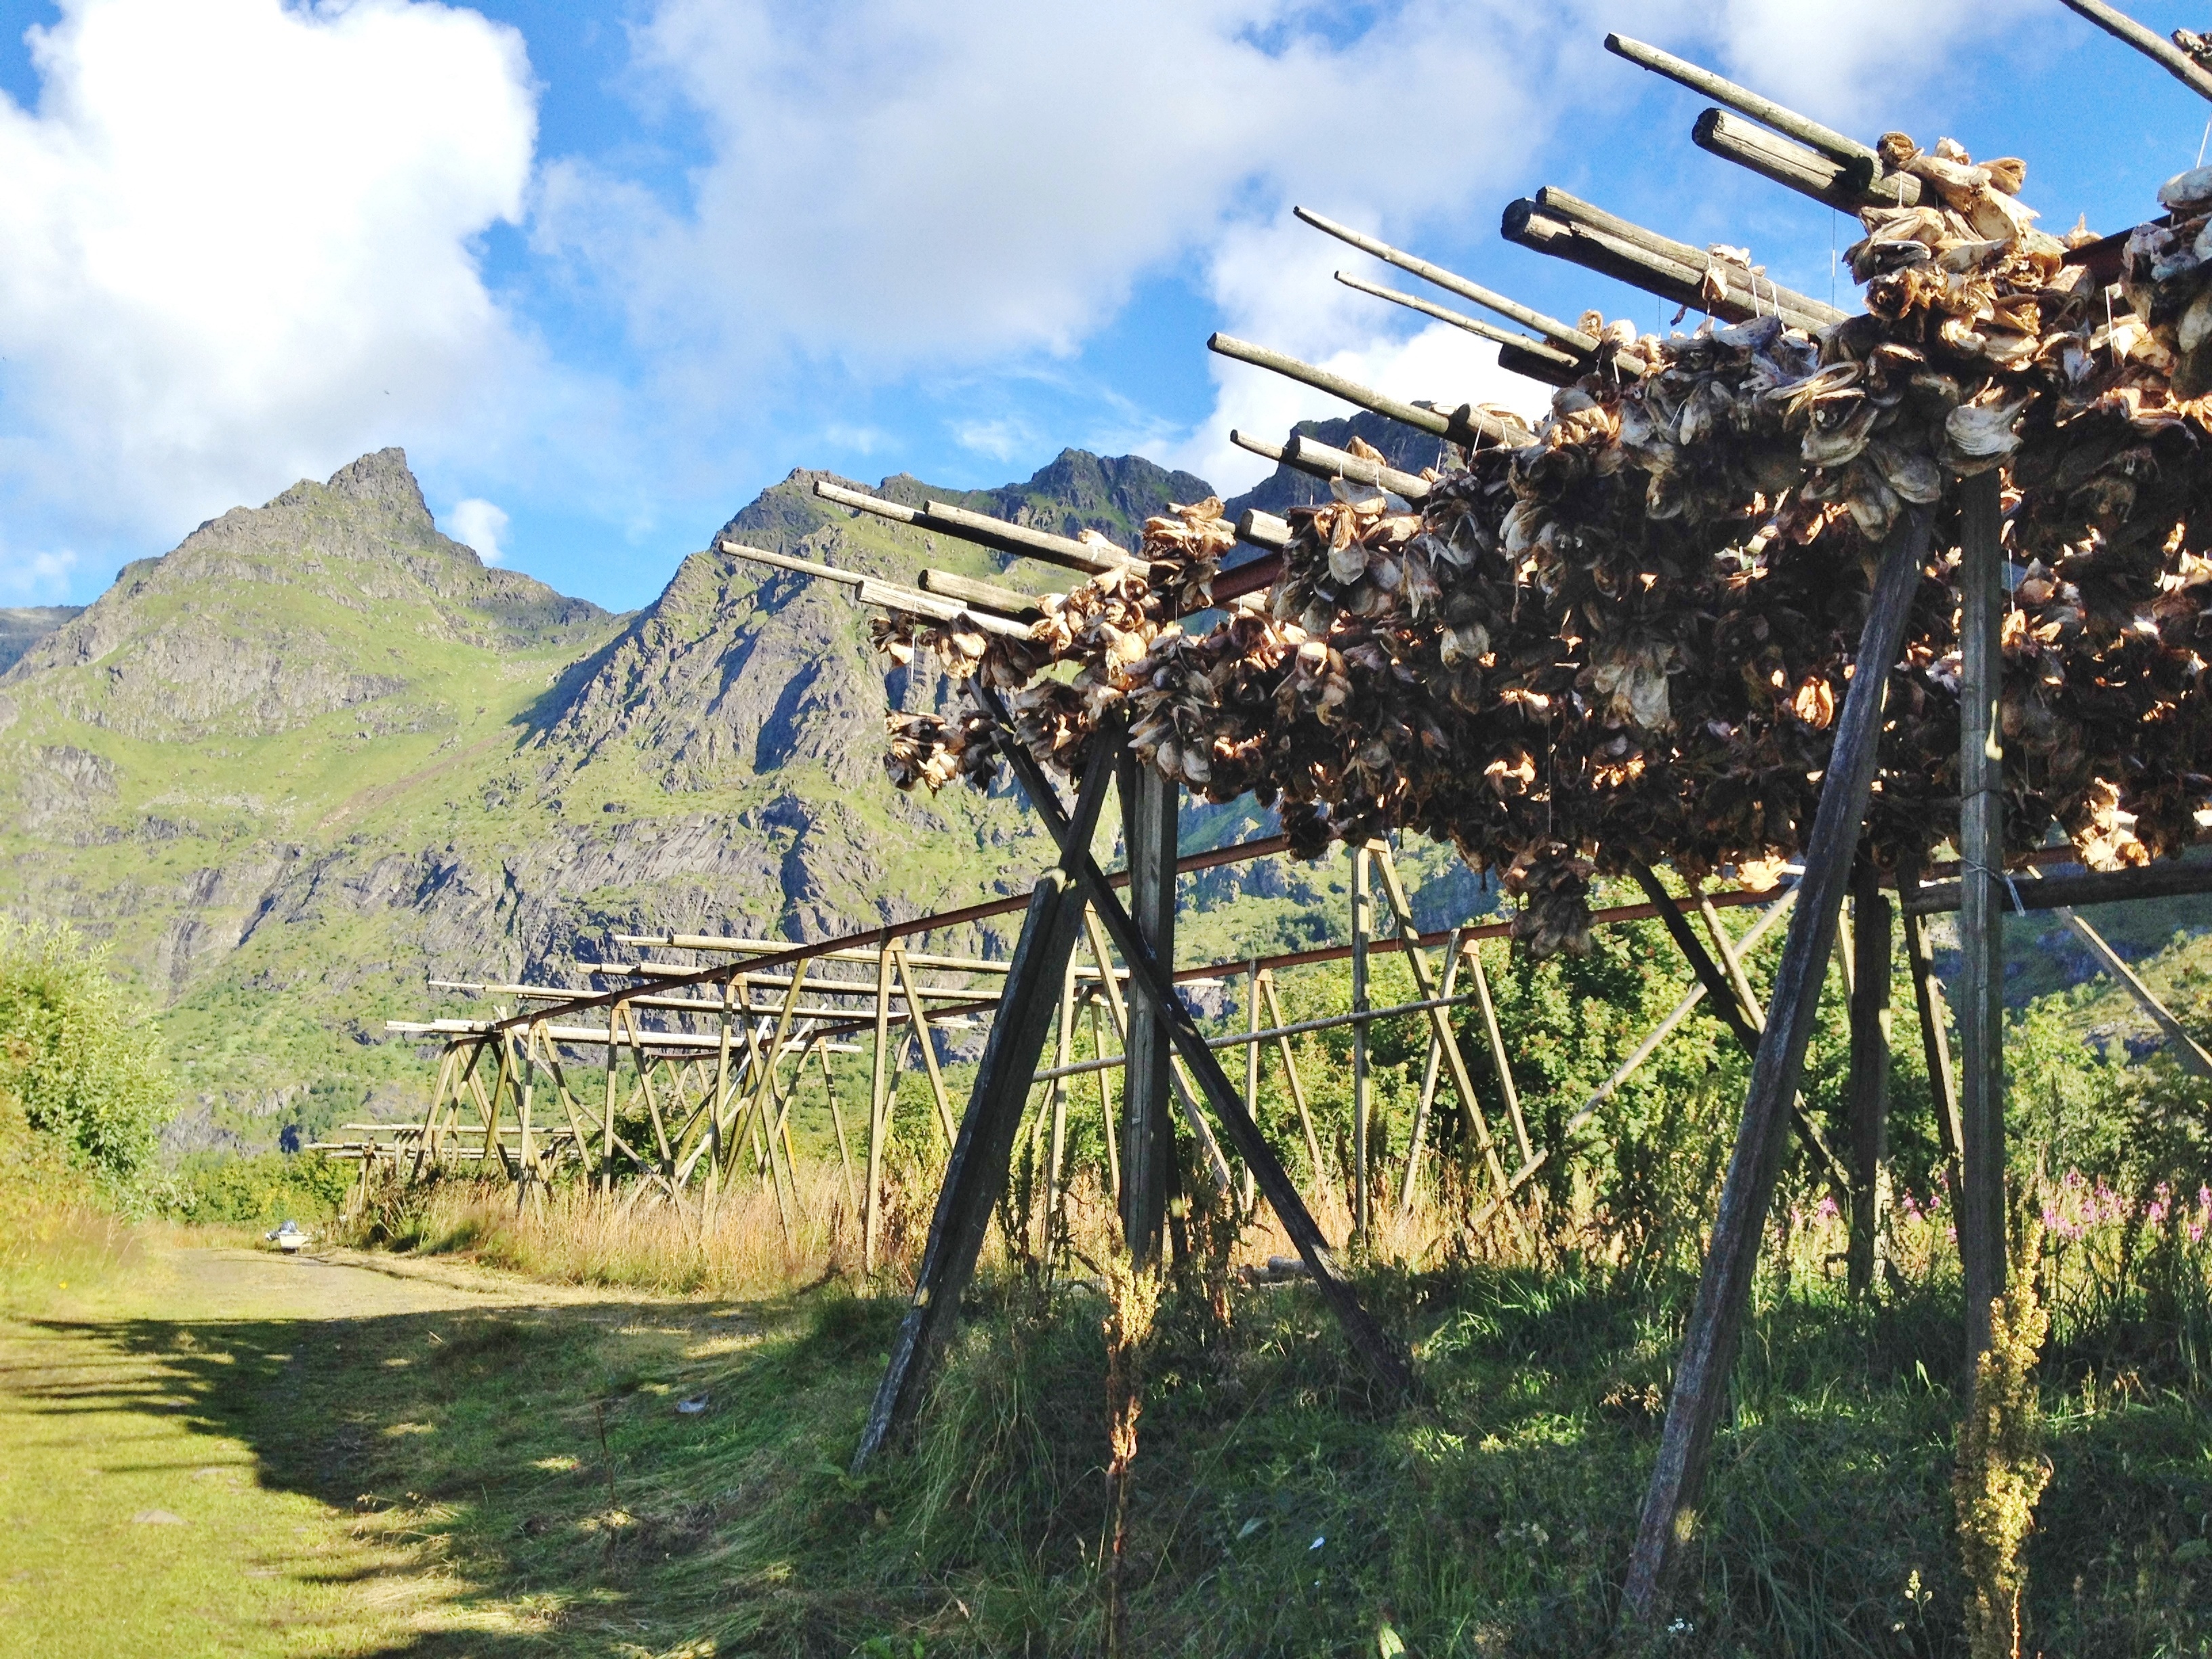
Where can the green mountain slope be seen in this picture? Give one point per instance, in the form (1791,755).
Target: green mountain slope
(320,753)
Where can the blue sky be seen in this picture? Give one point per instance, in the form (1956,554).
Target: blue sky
(607,271)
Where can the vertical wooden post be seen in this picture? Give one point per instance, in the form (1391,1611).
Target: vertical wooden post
(1251,1060)
(1869,1080)
(878,1108)
(721,1101)
(1104,1075)
(607,1123)
(1363,921)
(1063,1055)
(1716,1325)
(1149,803)
(1981,905)
(1387,1359)
(925,1039)
(975,1175)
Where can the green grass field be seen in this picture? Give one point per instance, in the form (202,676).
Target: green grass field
(428,1460)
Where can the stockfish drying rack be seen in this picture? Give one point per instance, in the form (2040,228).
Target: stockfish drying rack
(721,1080)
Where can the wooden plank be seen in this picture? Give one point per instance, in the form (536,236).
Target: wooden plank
(1844,186)
(1868,1084)
(1386,1359)
(976,1174)
(1716,1325)
(1981,905)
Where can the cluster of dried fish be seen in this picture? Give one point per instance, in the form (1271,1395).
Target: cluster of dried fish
(1626,636)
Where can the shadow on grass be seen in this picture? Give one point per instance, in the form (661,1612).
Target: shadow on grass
(532,1457)
(537,1457)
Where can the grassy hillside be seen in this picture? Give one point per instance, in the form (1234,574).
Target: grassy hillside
(320,752)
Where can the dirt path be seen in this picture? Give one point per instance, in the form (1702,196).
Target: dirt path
(140,1507)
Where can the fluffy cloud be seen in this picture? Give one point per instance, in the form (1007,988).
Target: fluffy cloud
(897,183)
(236,247)
(479,525)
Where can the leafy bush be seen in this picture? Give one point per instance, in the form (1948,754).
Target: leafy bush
(82,1059)
(258,1190)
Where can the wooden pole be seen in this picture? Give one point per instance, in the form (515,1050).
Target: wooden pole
(1562,334)
(927,1040)
(1112,1140)
(1466,425)
(1063,1054)
(1640,261)
(1431,1069)
(1251,1057)
(976,1174)
(1554,366)
(1386,1359)
(2186,1048)
(1291,1072)
(2167,56)
(1826,140)
(1981,904)
(1363,922)
(1715,1326)
(878,1108)
(607,1122)
(1845,185)
(1870,1081)
(1149,803)
(1934,1038)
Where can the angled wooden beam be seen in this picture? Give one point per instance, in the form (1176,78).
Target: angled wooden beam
(976,1174)
(917,1010)
(1385,1359)
(1715,1326)
(1935,1038)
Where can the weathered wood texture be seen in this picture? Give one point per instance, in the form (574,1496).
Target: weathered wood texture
(1868,1091)
(1715,1326)
(976,1172)
(1982,892)
(1149,812)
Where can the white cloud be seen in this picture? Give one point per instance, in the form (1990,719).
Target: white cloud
(904,182)
(236,248)
(1848,61)
(36,578)
(481,526)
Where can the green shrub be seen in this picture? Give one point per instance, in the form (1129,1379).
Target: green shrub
(256,1190)
(83,1060)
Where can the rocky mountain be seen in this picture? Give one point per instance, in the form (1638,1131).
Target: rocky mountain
(320,753)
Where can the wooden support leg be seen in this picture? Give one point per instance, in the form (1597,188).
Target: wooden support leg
(837,1122)
(1386,1359)
(1730,992)
(1870,1081)
(1431,1069)
(1981,907)
(1935,1036)
(1363,922)
(607,1122)
(925,1039)
(1251,1060)
(1106,1108)
(1715,1326)
(1149,803)
(1291,1072)
(1063,1055)
(880,1083)
(977,1173)
(1441,1031)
